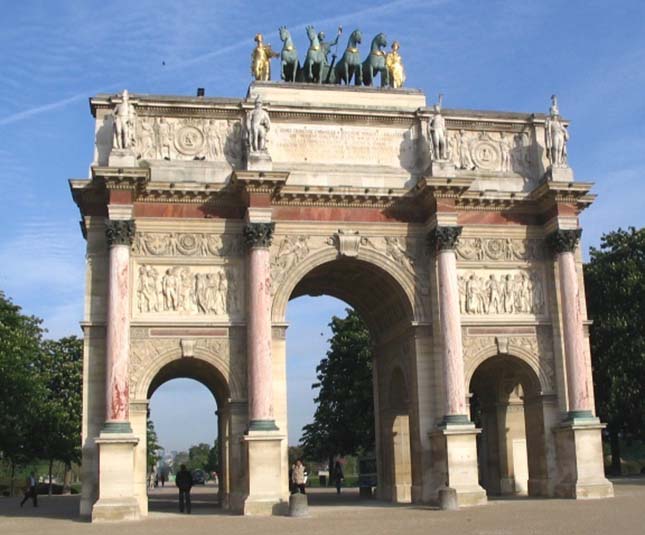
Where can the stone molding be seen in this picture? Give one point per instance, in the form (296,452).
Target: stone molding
(445,238)
(258,234)
(120,232)
(564,241)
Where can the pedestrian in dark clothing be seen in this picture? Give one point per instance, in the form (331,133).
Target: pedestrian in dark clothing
(32,490)
(338,476)
(184,481)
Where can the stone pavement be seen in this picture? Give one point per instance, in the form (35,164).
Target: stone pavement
(623,515)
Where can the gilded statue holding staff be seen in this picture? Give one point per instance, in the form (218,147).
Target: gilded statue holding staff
(394,65)
(261,58)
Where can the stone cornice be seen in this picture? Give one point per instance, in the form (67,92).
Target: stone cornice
(123,178)
(268,182)
(548,193)
(445,188)
(343,196)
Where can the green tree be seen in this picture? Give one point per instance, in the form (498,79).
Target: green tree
(198,456)
(21,391)
(615,287)
(152,445)
(212,462)
(60,365)
(344,418)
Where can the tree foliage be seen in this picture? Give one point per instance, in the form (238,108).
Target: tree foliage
(152,445)
(615,287)
(344,418)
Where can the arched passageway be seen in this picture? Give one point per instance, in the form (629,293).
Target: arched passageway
(386,309)
(506,403)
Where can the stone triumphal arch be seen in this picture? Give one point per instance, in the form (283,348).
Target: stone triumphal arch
(454,233)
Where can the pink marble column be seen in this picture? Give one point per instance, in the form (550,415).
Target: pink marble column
(564,243)
(258,327)
(119,235)
(445,240)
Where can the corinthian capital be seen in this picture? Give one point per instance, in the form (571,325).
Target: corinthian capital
(444,238)
(119,231)
(258,234)
(564,241)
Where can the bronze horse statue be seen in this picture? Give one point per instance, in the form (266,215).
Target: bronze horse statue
(375,62)
(289,63)
(313,67)
(350,64)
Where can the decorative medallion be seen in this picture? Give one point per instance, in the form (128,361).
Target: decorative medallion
(189,140)
(485,152)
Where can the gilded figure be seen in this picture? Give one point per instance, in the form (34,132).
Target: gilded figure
(394,64)
(260,59)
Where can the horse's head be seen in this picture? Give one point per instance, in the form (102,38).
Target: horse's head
(311,33)
(284,33)
(379,42)
(356,38)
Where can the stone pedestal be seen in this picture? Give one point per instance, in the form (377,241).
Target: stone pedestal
(259,161)
(122,158)
(117,500)
(454,450)
(580,460)
(298,505)
(264,461)
(442,168)
(559,174)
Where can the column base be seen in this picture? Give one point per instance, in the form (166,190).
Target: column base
(454,449)
(580,459)
(263,425)
(265,478)
(117,500)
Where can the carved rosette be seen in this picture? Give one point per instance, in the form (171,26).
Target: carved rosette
(444,238)
(564,241)
(120,232)
(259,234)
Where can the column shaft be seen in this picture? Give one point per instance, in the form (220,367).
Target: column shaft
(574,343)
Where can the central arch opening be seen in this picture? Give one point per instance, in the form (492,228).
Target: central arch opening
(385,470)
(187,398)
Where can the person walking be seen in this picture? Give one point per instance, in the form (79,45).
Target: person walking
(298,477)
(184,481)
(31,491)
(338,476)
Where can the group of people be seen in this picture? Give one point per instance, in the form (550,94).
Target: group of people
(298,477)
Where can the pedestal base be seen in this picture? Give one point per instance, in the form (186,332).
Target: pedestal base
(454,449)
(122,158)
(259,161)
(580,460)
(442,168)
(264,461)
(559,174)
(117,501)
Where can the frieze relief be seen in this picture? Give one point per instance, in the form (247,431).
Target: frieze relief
(498,292)
(491,151)
(186,244)
(193,291)
(500,249)
(168,138)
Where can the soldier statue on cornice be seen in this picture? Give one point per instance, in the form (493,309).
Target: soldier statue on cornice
(124,123)
(556,136)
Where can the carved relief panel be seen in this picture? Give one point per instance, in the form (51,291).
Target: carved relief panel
(186,244)
(496,292)
(192,291)
(173,138)
(500,249)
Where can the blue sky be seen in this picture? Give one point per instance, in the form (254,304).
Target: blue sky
(498,54)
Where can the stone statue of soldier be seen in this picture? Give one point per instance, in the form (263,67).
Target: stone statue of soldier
(257,128)
(437,133)
(124,122)
(556,136)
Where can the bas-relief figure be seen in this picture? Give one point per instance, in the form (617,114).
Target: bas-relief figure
(519,292)
(124,123)
(556,136)
(181,289)
(258,125)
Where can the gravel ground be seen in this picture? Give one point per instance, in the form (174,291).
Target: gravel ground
(622,515)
